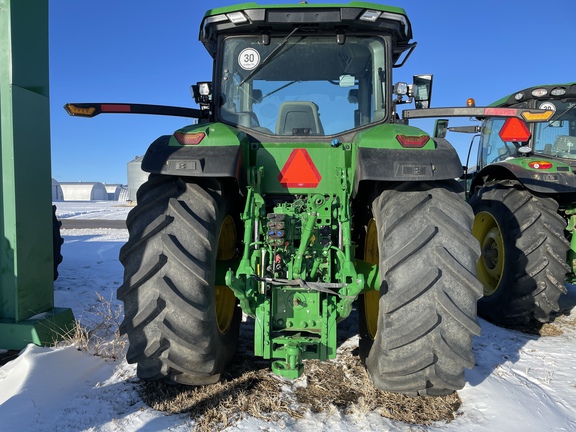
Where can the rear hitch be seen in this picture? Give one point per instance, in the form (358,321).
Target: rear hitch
(292,367)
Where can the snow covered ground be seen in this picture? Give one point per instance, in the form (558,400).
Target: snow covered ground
(520,382)
(107,210)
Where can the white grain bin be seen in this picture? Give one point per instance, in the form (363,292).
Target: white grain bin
(136,177)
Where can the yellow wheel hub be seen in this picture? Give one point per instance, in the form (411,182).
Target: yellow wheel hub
(225,298)
(491,263)
(371,298)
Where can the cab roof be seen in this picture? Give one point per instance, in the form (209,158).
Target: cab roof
(539,92)
(279,19)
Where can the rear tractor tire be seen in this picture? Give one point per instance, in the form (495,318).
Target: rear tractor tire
(181,326)
(417,331)
(523,264)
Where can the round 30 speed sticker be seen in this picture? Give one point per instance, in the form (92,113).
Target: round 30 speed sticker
(248,58)
(549,106)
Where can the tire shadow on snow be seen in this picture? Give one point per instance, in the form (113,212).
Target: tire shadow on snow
(499,345)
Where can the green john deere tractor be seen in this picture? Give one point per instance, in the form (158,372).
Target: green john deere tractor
(298,192)
(524,197)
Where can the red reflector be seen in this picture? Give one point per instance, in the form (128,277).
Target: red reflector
(500,111)
(514,130)
(189,138)
(299,171)
(543,165)
(115,108)
(408,141)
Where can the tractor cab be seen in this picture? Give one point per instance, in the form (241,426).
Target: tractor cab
(278,75)
(503,139)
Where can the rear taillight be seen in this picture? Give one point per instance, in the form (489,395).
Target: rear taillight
(189,138)
(542,165)
(408,141)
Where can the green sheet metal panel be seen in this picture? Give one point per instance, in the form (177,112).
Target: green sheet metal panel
(26,262)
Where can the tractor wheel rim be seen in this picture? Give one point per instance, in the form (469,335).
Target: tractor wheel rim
(371,298)
(225,298)
(490,266)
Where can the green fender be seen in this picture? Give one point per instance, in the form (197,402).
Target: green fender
(559,179)
(441,162)
(220,154)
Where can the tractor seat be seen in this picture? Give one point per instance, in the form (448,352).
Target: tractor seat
(299,118)
(565,143)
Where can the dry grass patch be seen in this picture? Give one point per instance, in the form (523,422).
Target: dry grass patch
(345,384)
(564,321)
(341,385)
(241,392)
(101,335)
(550,329)
(561,321)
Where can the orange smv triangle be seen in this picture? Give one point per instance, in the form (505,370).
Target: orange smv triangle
(514,130)
(299,171)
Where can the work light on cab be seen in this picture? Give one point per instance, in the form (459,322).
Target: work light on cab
(370,15)
(539,92)
(558,91)
(237,17)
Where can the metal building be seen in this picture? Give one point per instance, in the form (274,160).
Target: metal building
(84,191)
(57,194)
(113,191)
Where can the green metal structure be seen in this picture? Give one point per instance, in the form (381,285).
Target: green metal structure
(27,312)
(301,196)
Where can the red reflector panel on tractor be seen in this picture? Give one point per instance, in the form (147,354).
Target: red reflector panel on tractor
(514,130)
(189,138)
(408,141)
(500,111)
(115,108)
(299,171)
(543,165)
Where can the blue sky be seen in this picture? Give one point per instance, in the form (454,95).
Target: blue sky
(148,52)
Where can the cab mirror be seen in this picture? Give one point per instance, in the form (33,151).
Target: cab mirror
(347,81)
(422,90)
(440,128)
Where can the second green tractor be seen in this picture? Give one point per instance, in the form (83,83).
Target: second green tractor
(524,197)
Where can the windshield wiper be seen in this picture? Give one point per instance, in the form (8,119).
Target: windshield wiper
(560,116)
(279,88)
(268,57)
